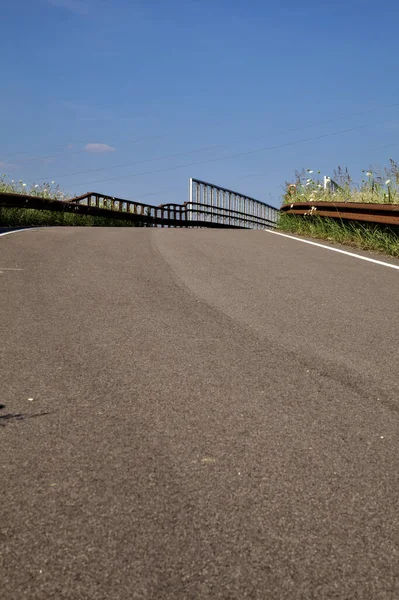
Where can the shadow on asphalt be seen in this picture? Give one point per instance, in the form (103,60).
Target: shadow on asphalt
(17,416)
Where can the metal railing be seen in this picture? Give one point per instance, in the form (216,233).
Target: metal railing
(226,204)
(224,209)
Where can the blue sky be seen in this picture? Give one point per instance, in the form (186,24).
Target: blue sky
(100,94)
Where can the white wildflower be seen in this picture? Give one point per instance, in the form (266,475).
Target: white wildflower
(24,185)
(53,182)
(310,171)
(36,186)
(388,181)
(369,174)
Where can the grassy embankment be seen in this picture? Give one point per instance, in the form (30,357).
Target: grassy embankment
(378,186)
(28,217)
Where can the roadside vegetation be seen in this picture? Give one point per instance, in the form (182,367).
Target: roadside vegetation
(28,217)
(377,185)
(365,236)
(42,190)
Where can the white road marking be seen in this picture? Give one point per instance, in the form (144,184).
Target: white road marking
(16,231)
(10,269)
(359,256)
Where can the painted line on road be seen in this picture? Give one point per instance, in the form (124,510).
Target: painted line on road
(372,260)
(16,231)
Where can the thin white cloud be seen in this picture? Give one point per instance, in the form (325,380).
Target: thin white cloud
(98,148)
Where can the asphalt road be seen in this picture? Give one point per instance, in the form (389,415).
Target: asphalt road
(194,415)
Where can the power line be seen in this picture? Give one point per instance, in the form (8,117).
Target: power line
(240,154)
(383,147)
(49,156)
(43,157)
(262,174)
(206,148)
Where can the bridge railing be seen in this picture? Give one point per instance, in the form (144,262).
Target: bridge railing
(192,213)
(231,202)
(219,216)
(189,214)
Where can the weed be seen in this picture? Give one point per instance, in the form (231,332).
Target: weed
(378,185)
(42,190)
(368,236)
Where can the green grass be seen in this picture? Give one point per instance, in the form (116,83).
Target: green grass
(377,185)
(316,194)
(370,237)
(29,217)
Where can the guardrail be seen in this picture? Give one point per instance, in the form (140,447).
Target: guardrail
(8,200)
(385,214)
(167,215)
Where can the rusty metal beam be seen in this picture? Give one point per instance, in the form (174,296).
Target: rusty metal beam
(385,214)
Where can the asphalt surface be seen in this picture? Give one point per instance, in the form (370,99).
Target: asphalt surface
(196,415)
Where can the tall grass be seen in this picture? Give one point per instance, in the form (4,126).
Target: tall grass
(43,190)
(377,185)
(365,236)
